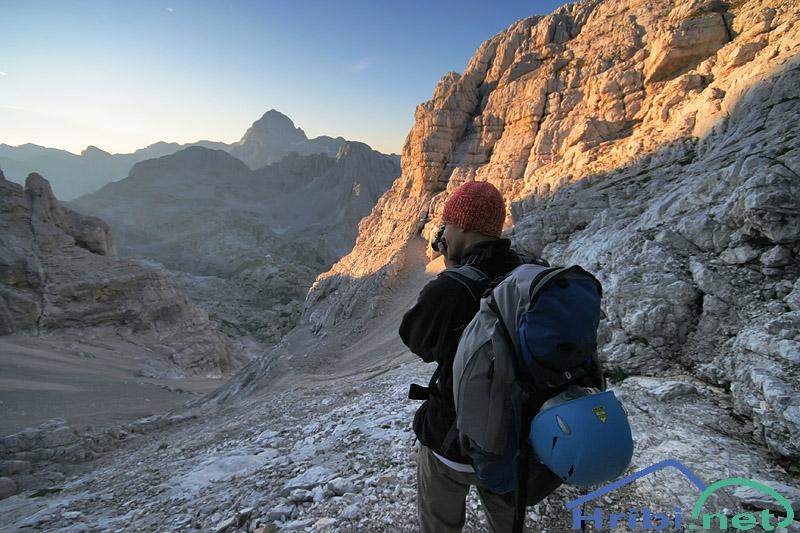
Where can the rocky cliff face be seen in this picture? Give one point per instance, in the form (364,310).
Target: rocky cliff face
(245,245)
(59,271)
(653,142)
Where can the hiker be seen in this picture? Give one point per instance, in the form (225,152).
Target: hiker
(473,219)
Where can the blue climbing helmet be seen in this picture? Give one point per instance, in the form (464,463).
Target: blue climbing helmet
(583,436)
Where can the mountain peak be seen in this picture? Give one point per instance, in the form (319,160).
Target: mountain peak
(159,144)
(194,158)
(351,148)
(93,151)
(273,123)
(31,145)
(274,113)
(269,139)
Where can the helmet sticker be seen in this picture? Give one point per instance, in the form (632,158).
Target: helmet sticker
(600,412)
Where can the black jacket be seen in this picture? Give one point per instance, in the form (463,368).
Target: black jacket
(432,328)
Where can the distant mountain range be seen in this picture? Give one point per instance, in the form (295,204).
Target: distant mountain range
(269,139)
(245,244)
(216,251)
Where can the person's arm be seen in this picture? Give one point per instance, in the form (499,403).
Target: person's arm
(432,328)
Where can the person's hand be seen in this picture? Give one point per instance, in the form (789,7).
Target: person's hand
(447,261)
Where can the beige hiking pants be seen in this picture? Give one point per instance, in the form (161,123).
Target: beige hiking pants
(442,494)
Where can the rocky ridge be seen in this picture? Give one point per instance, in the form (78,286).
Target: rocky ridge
(71,174)
(60,271)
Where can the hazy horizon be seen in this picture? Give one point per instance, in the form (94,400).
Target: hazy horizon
(124,76)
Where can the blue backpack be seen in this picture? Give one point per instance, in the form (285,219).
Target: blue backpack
(533,344)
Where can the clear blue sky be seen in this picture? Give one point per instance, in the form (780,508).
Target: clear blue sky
(123,74)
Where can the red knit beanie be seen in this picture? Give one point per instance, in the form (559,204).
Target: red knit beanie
(476,206)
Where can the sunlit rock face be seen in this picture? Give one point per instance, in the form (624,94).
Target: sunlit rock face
(655,143)
(59,271)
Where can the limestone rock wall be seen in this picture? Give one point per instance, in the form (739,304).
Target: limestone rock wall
(655,143)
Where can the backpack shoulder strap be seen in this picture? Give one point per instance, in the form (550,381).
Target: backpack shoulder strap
(471,277)
(542,279)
